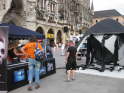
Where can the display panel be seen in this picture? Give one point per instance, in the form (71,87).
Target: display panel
(42,70)
(50,66)
(19,75)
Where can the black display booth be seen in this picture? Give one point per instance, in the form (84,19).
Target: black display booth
(15,75)
(104,45)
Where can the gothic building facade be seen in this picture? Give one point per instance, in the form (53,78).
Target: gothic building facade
(55,19)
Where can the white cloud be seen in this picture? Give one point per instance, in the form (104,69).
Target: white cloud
(109,4)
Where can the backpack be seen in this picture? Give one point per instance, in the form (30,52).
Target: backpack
(39,55)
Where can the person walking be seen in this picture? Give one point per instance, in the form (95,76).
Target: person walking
(70,61)
(62,49)
(66,47)
(34,65)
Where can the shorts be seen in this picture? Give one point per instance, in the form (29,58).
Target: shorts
(71,64)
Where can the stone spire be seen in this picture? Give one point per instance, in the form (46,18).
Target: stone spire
(92,8)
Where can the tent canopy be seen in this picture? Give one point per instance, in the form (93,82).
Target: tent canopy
(107,26)
(17,32)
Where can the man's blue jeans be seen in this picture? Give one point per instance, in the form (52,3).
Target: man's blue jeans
(34,69)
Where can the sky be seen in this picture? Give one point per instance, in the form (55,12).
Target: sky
(109,4)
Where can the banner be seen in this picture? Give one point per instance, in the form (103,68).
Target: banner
(3,44)
(3,57)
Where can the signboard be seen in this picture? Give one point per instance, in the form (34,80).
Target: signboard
(50,35)
(3,57)
(3,44)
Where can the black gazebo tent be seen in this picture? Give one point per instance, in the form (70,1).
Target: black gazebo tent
(107,26)
(97,50)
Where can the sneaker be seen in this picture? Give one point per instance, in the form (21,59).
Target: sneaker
(29,88)
(37,86)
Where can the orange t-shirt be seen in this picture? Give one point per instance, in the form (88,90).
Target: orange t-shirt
(29,49)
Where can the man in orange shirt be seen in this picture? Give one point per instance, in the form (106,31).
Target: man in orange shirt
(34,65)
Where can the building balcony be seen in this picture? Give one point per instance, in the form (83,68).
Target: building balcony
(63,22)
(51,21)
(40,18)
